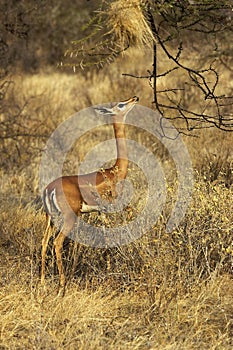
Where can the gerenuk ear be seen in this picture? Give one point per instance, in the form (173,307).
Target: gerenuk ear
(103,110)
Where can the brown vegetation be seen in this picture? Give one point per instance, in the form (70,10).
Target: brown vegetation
(163,291)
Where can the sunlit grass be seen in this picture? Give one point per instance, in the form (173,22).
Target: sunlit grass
(161,291)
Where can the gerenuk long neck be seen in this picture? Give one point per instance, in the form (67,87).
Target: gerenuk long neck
(122,153)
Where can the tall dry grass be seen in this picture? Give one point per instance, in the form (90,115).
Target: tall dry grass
(162,291)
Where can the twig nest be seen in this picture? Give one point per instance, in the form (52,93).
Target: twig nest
(128,23)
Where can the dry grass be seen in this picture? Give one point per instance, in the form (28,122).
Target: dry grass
(108,319)
(162,291)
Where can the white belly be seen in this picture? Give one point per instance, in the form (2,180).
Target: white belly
(89,208)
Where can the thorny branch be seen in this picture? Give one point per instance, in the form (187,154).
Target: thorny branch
(178,29)
(213,105)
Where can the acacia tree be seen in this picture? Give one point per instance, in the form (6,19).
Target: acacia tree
(175,30)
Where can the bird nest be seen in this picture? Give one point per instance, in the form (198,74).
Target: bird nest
(128,23)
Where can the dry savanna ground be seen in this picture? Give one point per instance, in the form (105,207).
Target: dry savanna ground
(162,291)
